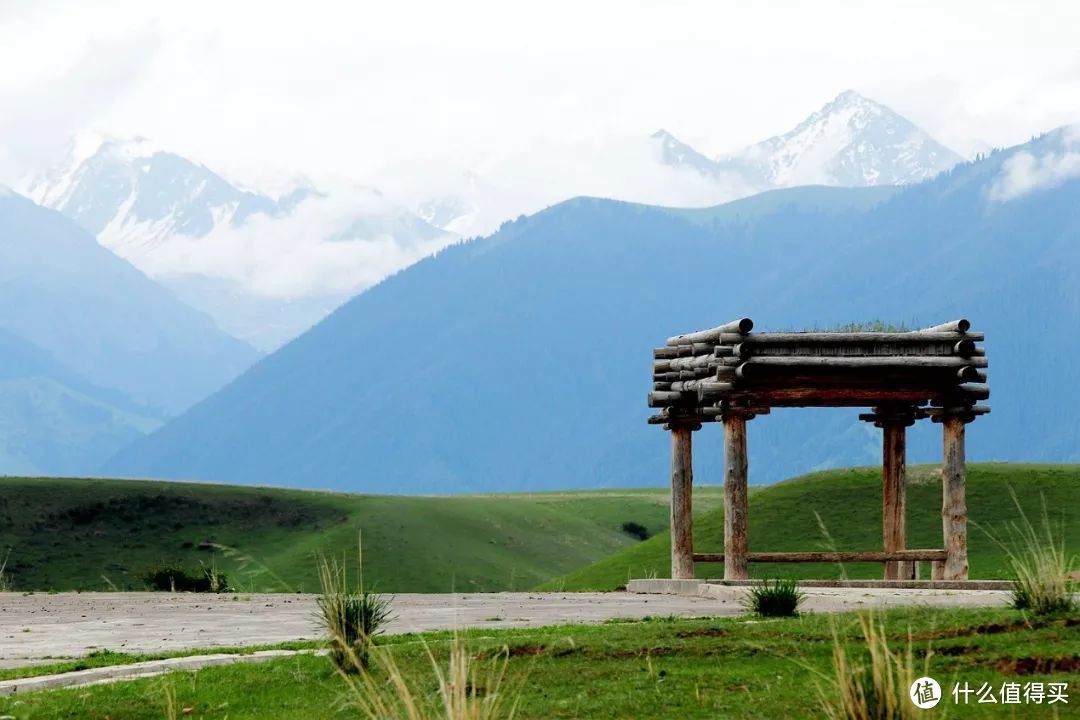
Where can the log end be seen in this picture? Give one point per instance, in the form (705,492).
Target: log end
(965,347)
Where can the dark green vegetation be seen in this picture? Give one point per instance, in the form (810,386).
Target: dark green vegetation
(848,502)
(774,598)
(704,668)
(68,534)
(521,361)
(171,577)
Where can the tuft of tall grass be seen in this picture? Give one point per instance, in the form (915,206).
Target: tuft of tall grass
(776,598)
(1040,564)
(468,688)
(350,616)
(871,684)
(5,576)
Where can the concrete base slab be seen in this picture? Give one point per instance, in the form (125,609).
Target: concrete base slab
(841,599)
(838,596)
(665,586)
(881,584)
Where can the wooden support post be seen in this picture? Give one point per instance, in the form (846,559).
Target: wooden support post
(735,497)
(682,480)
(894,497)
(953,503)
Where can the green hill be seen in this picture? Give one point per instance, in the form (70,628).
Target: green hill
(70,534)
(782,517)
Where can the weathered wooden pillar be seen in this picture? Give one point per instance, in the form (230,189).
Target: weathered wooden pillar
(682,481)
(953,501)
(894,422)
(894,496)
(736,545)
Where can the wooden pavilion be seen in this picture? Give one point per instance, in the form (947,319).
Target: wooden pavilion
(730,375)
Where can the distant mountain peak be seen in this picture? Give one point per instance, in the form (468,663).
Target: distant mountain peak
(851,140)
(676,153)
(134,196)
(201,234)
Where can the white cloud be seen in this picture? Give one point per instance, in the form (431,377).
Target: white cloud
(294,256)
(626,168)
(1024,172)
(46,103)
(348,89)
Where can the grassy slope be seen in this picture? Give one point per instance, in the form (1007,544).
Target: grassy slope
(849,503)
(93,534)
(663,668)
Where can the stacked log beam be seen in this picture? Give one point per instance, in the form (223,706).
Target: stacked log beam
(941,366)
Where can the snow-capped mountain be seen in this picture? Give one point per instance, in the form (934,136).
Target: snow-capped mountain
(677,153)
(265,268)
(851,141)
(134,197)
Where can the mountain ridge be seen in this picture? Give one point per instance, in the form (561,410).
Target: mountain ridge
(529,368)
(95,312)
(851,141)
(223,249)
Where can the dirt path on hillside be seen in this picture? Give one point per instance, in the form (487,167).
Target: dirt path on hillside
(37,625)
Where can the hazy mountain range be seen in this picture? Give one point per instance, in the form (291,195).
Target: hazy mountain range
(95,353)
(115,298)
(265,268)
(851,141)
(268,266)
(521,361)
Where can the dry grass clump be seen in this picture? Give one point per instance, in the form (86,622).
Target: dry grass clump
(1041,565)
(871,682)
(467,688)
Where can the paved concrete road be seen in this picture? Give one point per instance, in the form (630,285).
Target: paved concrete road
(37,626)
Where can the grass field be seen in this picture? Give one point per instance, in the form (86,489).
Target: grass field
(704,668)
(782,517)
(69,534)
(73,534)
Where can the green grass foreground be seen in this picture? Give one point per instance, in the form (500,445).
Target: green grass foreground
(76,534)
(848,501)
(659,668)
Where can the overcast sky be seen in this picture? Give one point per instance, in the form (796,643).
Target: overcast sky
(367,91)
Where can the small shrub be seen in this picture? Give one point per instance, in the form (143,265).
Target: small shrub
(216,580)
(351,617)
(5,576)
(778,598)
(170,577)
(634,529)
